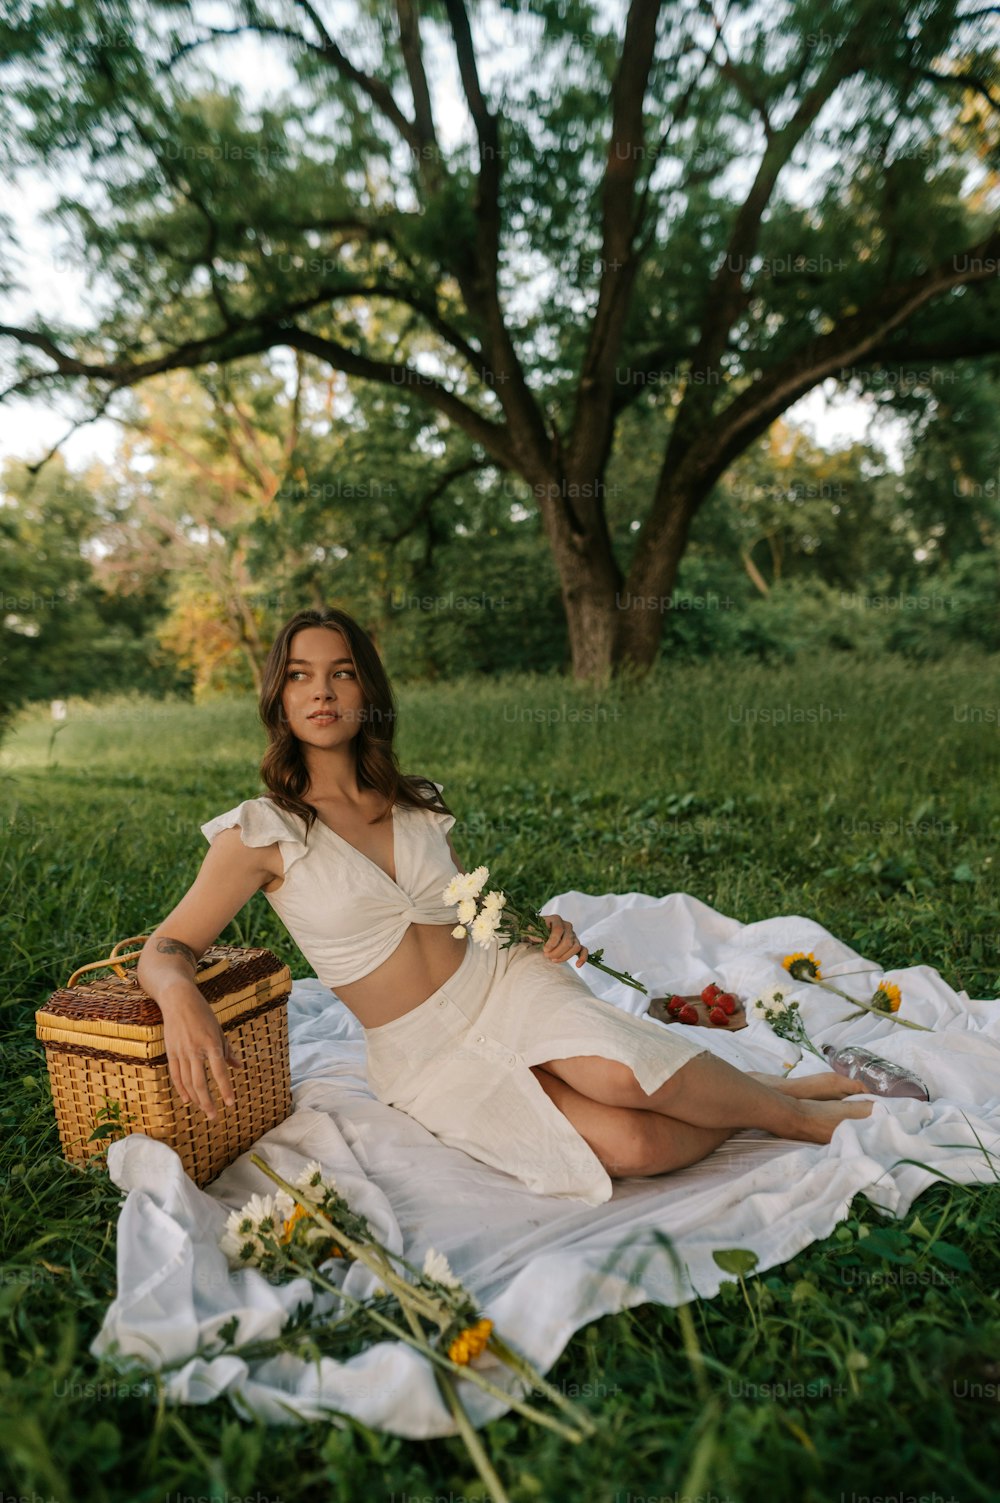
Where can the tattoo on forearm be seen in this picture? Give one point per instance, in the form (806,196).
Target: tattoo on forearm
(166,946)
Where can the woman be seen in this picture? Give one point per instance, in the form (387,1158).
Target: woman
(502,1052)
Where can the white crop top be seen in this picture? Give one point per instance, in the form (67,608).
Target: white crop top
(343,911)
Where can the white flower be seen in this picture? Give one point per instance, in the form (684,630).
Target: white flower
(236,1237)
(262,1214)
(312,1183)
(484,927)
(466,911)
(465,885)
(455,890)
(269,1211)
(493,902)
(436,1267)
(458,932)
(772,1001)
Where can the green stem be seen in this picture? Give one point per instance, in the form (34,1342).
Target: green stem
(407,1296)
(525,1370)
(436,1356)
(466,1429)
(534,922)
(867,1006)
(377,1262)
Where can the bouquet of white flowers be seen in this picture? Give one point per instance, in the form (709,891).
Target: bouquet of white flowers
(493,915)
(308,1223)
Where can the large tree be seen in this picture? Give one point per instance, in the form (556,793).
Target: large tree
(577,212)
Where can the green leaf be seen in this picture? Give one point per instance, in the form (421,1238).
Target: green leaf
(736,1260)
(891,1246)
(954,1257)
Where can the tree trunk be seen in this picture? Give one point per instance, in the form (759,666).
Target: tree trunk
(591,579)
(646,597)
(592,623)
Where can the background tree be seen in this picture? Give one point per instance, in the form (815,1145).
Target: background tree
(61,633)
(614,221)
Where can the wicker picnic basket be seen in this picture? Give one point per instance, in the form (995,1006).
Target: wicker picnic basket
(104,1044)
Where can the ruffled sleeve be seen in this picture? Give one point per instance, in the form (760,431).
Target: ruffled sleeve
(262,823)
(445,821)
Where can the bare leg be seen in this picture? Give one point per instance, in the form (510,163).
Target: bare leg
(629,1140)
(826,1087)
(706,1092)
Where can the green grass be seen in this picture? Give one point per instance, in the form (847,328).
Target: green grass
(867,1365)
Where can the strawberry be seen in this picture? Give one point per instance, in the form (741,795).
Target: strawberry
(710,992)
(728,1001)
(674,1003)
(718,1017)
(688,1014)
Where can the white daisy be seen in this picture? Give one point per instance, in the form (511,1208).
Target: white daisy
(465,885)
(311,1181)
(436,1267)
(484,927)
(772,1001)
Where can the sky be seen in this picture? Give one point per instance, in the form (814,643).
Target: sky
(54,288)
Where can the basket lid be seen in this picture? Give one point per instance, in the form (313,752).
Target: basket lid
(109,1003)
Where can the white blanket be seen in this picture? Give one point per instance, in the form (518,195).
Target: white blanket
(542,1267)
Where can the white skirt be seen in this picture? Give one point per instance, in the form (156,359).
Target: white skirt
(460,1064)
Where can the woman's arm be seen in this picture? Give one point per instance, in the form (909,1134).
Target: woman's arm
(229,876)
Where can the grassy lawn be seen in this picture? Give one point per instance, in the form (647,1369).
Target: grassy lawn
(862,794)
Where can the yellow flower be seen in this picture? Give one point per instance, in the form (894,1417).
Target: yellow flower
(887,997)
(297,1215)
(329,1248)
(804,967)
(470,1342)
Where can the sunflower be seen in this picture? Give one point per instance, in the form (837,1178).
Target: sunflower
(887,997)
(804,967)
(470,1342)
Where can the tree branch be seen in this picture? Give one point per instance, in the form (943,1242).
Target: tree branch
(378,92)
(493,438)
(467,467)
(222,346)
(479,280)
(862,338)
(964,80)
(593,416)
(327,49)
(740,82)
(413,57)
(93,417)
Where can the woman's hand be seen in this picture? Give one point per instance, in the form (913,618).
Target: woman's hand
(562,942)
(193,1039)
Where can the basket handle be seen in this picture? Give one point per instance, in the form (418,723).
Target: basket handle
(136,939)
(116,962)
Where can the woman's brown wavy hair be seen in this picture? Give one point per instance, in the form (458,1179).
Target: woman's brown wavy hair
(283,767)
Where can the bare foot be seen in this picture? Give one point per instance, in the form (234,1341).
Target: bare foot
(818,1119)
(828,1087)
